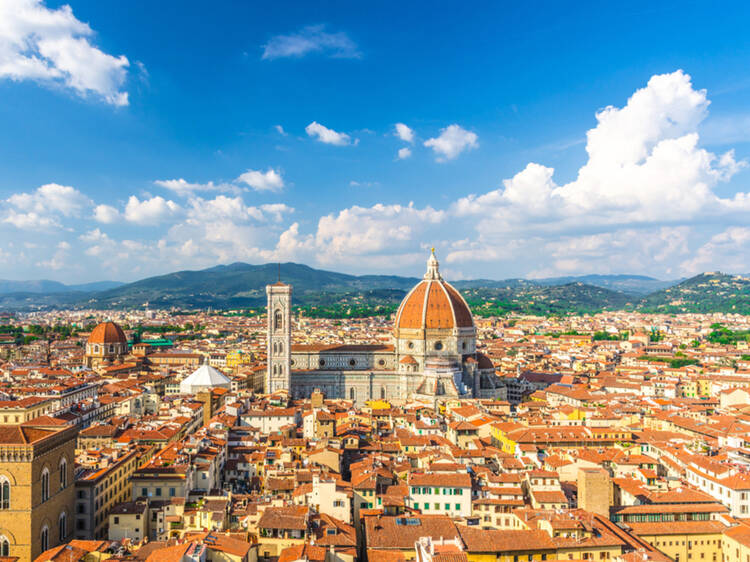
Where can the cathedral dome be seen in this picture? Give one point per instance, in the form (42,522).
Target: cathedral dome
(433,304)
(106,333)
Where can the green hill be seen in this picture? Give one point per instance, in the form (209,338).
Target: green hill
(707,292)
(328,293)
(533,298)
(242,285)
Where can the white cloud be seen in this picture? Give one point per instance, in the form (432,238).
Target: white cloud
(275,211)
(644,167)
(280,130)
(270,180)
(404,132)
(106,214)
(311,39)
(645,199)
(44,207)
(52,198)
(326,135)
(95,235)
(150,211)
(52,46)
(291,245)
(364,231)
(404,153)
(727,251)
(451,142)
(30,221)
(59,259)
(233,209)
(616,251)
(184,188)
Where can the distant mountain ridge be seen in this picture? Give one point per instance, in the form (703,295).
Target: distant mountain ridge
(635,284)
(239,285)
(47,286)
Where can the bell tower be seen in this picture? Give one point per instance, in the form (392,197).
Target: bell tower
(279,352)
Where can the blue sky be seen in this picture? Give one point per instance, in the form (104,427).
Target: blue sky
(533,140)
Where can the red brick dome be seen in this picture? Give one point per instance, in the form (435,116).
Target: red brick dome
(106,333)
(433,304)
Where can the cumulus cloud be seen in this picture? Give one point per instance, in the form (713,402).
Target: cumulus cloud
(727,251)
(380,229)
(452,141)
(270,180)
(30,221)
(150,211)
(53,47)
(234,209)
(44,207)
(59,259)
(52,198)
(106,214)
(404,153)
(647,192)
(404,132)
(644,166)
(184,188)
(326,135)
(616,251)
(646,197)
(94,235)
(311,39)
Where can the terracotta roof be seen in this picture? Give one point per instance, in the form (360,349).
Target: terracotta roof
(303,552)
(450,480)
(433,304)
(22,435)
(107,332)
(401,532)
(492,540)
(169,553)
(293,517)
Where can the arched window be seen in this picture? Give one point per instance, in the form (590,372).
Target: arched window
(4,546)
(351,393)
(63,473)
(4,493)
(382,393)
(63,526)
(281,348)
(44,538)
(277,320)
(45,486)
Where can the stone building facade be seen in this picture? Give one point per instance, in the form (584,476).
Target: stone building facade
(432,356)
(279,338)
(37,490)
